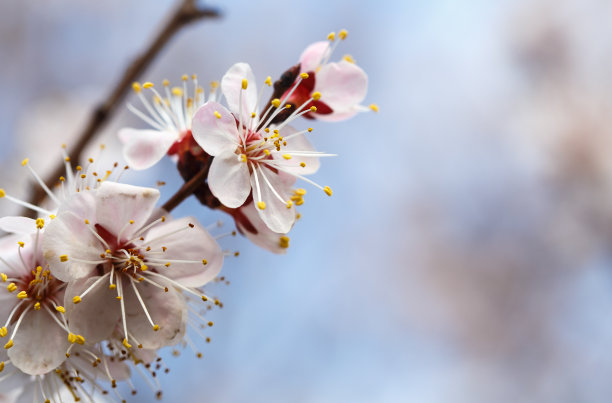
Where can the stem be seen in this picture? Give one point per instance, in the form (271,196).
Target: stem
(186,190)
(186,13)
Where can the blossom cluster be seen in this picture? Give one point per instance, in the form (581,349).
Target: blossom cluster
(102,278)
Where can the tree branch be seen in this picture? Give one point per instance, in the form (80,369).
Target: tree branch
(186,13)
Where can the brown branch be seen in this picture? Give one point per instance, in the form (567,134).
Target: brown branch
(186,190)
(186,13)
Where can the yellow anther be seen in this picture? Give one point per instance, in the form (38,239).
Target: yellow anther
(60,309)
(90,160)
(37,306)
(2,193)
(243,157)
(266,151)
(4,277)
(112,286)
(289,203)
(67,159)
(144,267)
(217,115)
(22,295)
(131,221)
(79,339)
(214,84)
(1,366)
(253,114)
(24,162)
(136,87)
(268,81)
(342,34)
(63,258)
(83,176)
(316,95)
(156,328)
(9,344)
(52,216)
(300,192)
(167,264)
(71,338)
(348,58)
(204,262)
(287,156)
(245,83)
(176,91)
(211,323)
(261,205)
(148,84)
(79,168)
(283,242)
(303,164)
(184,77)
(327,190)
(126,344)
(276,102)
(287,106)
(40,223)
(194,76)
(374,107)
(3,331)
(163,218)
(11,287)
(313,108)
(165,83)
(304,76)
(331,36)
(76,299)
(204,298)
(21,244)
(118,298)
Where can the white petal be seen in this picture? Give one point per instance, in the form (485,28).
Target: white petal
(96,315)
(117,204)
(215,135)
(18,225)
(258,232)
(191,244)
(276,215)
(40,345)
(231,85)
(67,234)
(144,148)
(228,179)
(313,55)
(342,85)
(297,143)
(167,309)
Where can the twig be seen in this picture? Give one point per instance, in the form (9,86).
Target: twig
(186,13)
(186,190)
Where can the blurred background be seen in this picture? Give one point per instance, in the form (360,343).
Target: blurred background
(466,253)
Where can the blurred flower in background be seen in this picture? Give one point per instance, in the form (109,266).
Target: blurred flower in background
(465,255)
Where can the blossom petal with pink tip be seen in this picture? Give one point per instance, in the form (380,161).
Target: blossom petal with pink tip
(40,344)
(231,85)
(118,204)
(313,55)
(145,148)
(194,243)
(228,179)
(250,224)
(341,85)
(275,215)
(214,129)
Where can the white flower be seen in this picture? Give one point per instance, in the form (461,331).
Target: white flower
(342,85)
(31,313)
(169,115)
(251,154)
(123,267)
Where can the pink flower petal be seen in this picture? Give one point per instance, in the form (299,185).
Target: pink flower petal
(191,244)
(228,179)
(167,309)
(276,215)
(215,135)
(144,148)
(252,226)
(342,85)
(117,204)
(313,55)
(297,143)
(96,315)
(40,345)
(18,225)
(231,86)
